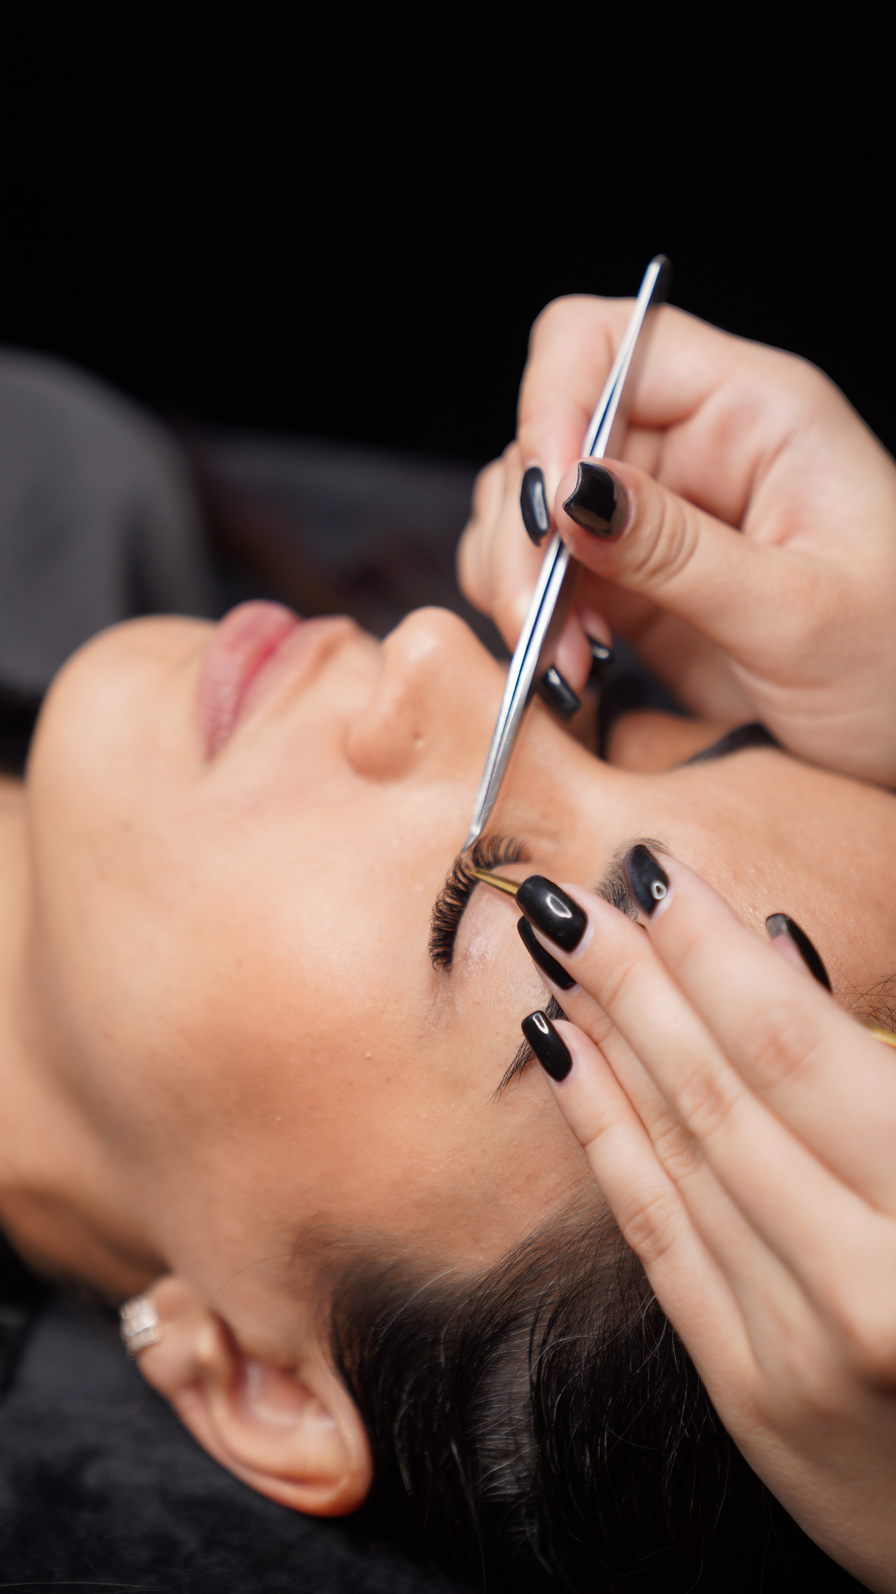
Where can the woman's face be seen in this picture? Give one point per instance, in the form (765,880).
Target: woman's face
(233,892)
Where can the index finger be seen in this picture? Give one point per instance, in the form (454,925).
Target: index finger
(572,346)
(712,417)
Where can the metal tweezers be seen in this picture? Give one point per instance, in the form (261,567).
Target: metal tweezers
(559,575)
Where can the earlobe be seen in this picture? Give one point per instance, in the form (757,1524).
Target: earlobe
(293,1434)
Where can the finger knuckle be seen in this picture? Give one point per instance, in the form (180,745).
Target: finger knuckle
(567,311)
(866,1318)
(790,386)
(508,604)
(601,1029)
(490,477)
(806,1380)
(666,541)
(706,1098)
(675,1147)
(779,1045)
(617,980)
(651,1226)
(807,382)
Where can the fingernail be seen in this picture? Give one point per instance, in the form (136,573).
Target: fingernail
(598,502)
(602,660)
(555,690)
(548,965)
(552,911)
(780,924)
(533,505)
(648,884)
(553,1053)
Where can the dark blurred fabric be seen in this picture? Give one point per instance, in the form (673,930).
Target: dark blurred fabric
(101,1485)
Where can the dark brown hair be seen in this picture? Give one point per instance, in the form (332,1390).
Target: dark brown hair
(541,1426)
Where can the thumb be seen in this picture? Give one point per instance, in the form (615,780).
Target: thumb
(626,527)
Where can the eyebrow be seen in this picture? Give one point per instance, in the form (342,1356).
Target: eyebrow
(736,741)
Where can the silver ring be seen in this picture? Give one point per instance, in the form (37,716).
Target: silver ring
(140,1324)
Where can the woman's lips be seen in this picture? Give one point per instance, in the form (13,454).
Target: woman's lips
(255,646)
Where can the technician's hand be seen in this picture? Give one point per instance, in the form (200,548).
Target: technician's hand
(745,544)
(741,1128)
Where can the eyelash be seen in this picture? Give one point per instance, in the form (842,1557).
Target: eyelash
(489,852)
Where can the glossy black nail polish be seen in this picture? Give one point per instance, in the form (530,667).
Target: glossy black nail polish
(556,692)
(552,1052)
(602,660)
(533,505)
(598,502)
(781,924)
(646,881)
(548,965)
(552,911)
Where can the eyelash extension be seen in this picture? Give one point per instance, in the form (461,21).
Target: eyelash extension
(489,852)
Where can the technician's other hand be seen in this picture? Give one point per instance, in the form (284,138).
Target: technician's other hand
(745,543)
(741,1128)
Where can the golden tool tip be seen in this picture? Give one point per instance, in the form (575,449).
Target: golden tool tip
(499,881)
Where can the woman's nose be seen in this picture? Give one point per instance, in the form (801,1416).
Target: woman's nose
(434,704)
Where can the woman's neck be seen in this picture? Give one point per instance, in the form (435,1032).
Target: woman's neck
(53,1195)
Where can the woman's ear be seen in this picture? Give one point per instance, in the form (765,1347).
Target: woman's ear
(293,1434)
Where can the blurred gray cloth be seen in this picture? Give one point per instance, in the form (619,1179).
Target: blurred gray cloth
(99,520)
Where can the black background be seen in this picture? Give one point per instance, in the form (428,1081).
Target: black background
(348,232)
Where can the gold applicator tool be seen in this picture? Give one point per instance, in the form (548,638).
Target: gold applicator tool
(499,881)
(885,1035)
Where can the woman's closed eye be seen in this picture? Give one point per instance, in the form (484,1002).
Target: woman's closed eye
(489,852)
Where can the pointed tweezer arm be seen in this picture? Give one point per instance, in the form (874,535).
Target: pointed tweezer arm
(559,574)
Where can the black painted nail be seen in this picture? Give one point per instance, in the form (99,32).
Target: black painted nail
(533,505)
(552,911)
(598,502)
(646,881)
(602,660)
(780,924)
(548,965)
(555,690)
(552,1052)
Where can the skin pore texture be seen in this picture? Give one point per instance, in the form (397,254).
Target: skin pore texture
(219,1023)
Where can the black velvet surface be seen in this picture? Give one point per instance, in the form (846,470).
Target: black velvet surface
(101,1487)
